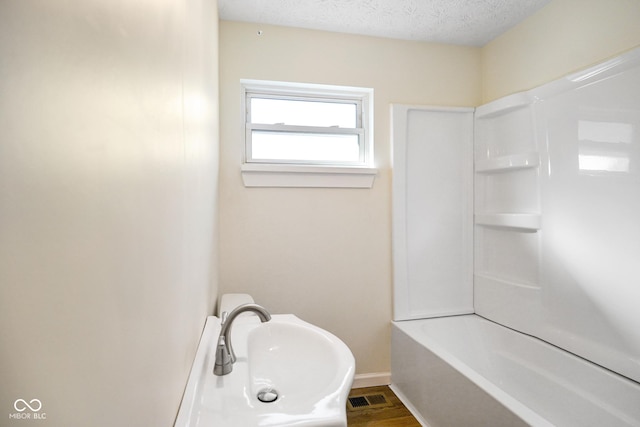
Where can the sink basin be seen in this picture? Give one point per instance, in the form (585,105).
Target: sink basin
(304,364)
(288,373)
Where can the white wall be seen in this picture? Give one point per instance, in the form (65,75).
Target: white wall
(108,177)
(563,37)
(325,254)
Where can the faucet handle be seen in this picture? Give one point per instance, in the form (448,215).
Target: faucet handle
(223,364)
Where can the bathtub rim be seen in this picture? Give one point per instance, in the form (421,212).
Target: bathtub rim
(623,409)
(511,404)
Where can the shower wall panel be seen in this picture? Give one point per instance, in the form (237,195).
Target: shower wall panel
(557,213)
(432,211)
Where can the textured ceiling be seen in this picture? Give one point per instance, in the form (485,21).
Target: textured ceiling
(463,22)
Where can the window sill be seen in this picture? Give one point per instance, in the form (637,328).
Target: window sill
(270,175)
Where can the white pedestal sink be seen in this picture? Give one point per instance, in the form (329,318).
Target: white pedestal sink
(288,373)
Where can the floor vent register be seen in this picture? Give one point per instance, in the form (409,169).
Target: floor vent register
(367,401)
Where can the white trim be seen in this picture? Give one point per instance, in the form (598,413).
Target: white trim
(371,380)
(317,176)
(303,89)
(363,97)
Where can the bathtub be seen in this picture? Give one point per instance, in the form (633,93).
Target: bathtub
(467,371)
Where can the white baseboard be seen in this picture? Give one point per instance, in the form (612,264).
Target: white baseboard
(371,380)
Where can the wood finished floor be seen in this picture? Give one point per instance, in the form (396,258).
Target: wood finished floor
(395,415)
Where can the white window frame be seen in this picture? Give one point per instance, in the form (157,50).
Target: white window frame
(297,173)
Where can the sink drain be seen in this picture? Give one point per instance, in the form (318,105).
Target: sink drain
(267,395)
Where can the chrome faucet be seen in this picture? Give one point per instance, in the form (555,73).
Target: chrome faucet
(225,356)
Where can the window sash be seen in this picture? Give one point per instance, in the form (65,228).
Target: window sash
(305,130)
(359,130)
(325,100)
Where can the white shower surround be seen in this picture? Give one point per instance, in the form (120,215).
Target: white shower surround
(432,211)
(556,208)
(564,268)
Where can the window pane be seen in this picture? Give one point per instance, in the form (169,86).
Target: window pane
(304,147)
(303,113)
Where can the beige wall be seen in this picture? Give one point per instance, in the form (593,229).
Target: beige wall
(325,254)
(563,37)
(108,169)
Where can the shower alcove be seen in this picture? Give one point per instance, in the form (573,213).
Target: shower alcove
(516,239)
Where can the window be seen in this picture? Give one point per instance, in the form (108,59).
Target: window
(306,132)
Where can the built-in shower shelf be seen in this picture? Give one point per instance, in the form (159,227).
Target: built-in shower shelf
(503,106)
(508,163)
(518,221)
